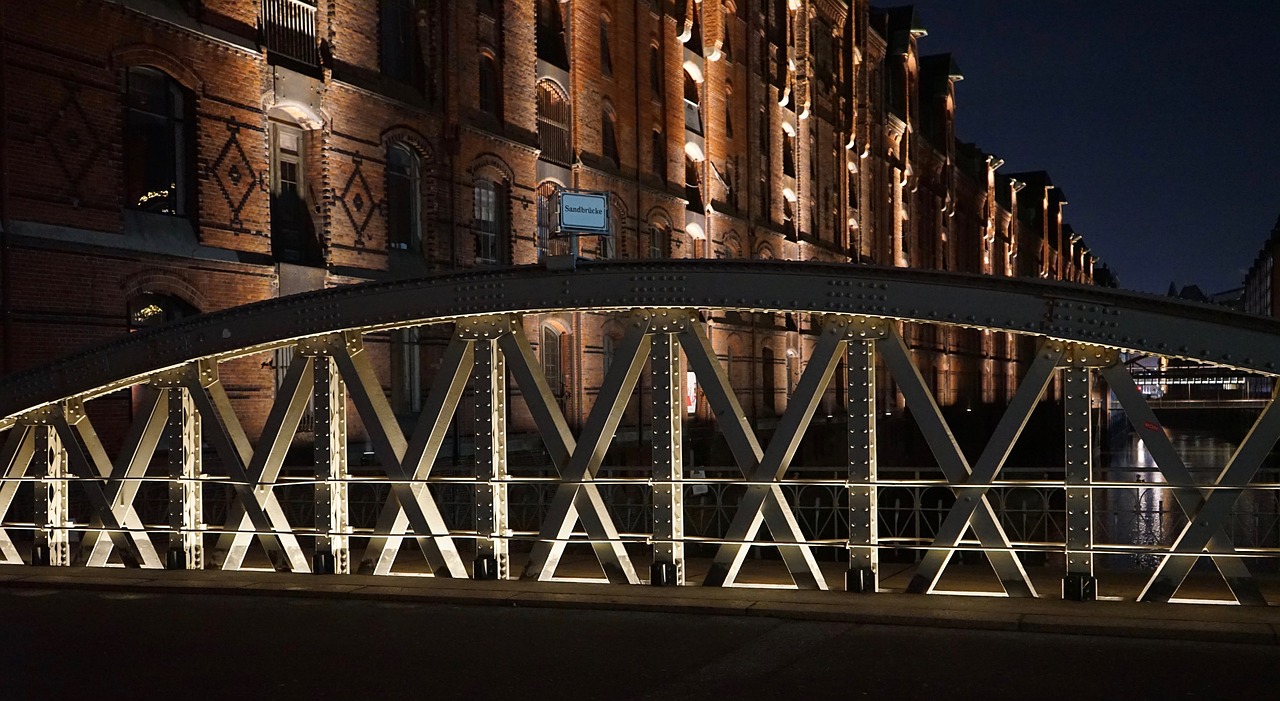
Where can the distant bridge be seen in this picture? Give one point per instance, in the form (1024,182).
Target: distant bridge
(51,443)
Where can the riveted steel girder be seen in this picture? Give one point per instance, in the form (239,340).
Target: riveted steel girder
(1056,310)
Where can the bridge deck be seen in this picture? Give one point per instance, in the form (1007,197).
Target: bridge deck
(1196,622)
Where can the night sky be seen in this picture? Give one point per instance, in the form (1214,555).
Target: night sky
(1159,120)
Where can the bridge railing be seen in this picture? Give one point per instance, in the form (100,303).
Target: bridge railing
(187,488)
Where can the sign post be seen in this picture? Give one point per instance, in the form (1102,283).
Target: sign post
(578,213)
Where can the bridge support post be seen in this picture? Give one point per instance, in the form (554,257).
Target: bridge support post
(182,433)
(51,544)
(668,464)
(864,556)
(1079,584)
(329,399)
(489,376)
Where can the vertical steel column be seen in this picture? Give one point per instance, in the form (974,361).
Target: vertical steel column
(51,545)
(1079,583)
(182,434)
(668,464)
(489,375)
(329,400)
(864,556)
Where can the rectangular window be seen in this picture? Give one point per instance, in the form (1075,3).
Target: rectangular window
(401,55)
(490,222)
(658,146)
(655,72)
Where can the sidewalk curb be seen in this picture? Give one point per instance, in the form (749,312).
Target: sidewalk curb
(938,611)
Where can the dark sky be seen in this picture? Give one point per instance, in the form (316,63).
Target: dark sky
(1159,119)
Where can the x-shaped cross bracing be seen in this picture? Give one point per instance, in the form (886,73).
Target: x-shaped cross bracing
(1204,533)
(972,509)
(764,503)
(578,462)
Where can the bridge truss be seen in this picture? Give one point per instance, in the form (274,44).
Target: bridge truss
(188,436)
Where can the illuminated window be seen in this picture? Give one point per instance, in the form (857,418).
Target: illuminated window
(292,232)
(546,221)
(553,124)
(157,161)
(490,222)
(404,221)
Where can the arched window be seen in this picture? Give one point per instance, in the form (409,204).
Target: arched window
(606,57)
(490,221)
(156,143)
(490,86)
(553,124)
(552,370)
(609,135)
(546,220)
(608,351)
(404,220)
(728,110)
(293,237)
(153,309)
(655,71)
(659,244)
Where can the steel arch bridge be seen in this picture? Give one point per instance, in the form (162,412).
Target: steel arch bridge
(186,413)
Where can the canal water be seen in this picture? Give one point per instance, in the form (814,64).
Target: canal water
(1130,506)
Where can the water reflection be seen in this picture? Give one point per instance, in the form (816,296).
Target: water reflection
(1149,515)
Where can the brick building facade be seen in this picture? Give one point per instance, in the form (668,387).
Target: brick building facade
(168,157)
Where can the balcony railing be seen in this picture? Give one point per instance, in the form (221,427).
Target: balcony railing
(289,30)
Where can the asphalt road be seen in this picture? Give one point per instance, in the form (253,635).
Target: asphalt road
(82,645)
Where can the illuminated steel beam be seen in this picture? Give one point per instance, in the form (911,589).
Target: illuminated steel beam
(766,503)
(124,476)
(51,542)
(864,519)
(329,402)
(15,458)
(1063,311)
(390,447)
(1079,583)
(420,455)
(1204,532)
(576,498)
(1186,492)
(256,505)
(667,449)
(489,382)
(972,508)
